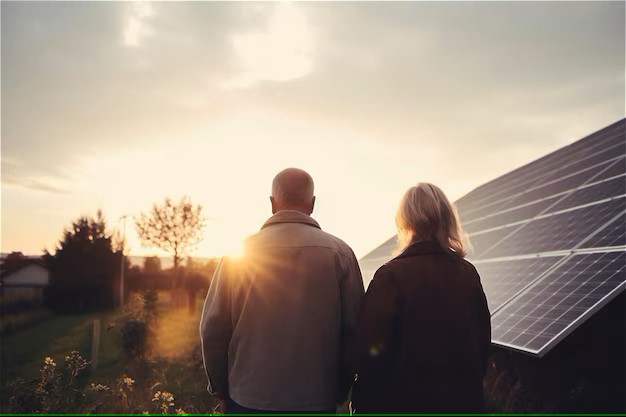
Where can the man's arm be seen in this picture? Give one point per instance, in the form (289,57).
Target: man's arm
(351,292)
(216,331)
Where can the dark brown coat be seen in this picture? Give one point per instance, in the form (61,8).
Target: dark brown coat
(423,336)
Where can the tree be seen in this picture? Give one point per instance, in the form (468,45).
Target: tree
(84,268)
(173,227)
(13,261)
(152,264)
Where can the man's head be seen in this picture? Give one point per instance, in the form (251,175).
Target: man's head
(292,189)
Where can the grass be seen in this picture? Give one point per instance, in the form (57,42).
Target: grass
(23,352)
(175,359)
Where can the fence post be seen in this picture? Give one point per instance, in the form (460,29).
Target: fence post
(95,344)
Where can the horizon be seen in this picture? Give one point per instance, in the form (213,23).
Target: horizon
(225,95)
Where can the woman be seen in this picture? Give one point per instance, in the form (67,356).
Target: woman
(424,330)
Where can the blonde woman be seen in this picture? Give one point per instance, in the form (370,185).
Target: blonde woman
(424,329)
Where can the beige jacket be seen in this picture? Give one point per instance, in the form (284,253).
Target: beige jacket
(277,322)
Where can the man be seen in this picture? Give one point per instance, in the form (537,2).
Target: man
(277,322)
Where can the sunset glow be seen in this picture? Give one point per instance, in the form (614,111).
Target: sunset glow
(210,100)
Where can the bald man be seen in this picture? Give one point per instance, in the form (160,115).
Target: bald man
(277,322)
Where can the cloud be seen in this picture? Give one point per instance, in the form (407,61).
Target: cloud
(34,184)
(136,27)
(406,74)
(283,51)
(14,175)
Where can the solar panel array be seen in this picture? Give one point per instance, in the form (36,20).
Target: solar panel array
(549,240)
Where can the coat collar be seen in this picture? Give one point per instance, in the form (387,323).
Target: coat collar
(290,216)
(423,247)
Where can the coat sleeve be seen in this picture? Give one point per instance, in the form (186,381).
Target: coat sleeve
(216,331)
(483,325)
(351,291)
(379,314)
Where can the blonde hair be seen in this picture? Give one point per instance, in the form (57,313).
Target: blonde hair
(424,213)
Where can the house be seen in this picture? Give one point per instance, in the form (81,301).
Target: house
(24,285)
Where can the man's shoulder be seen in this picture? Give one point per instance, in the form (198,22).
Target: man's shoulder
(314,237)
(338,244)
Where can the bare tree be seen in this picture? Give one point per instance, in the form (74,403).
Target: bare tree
(174,227)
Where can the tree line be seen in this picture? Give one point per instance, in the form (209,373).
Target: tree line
(86,266)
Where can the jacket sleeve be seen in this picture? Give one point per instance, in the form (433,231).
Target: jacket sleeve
(374,333)
(216,331)
(351,291)
(483,325)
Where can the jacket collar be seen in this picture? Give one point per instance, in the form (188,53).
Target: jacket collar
(422,247)
(290,216)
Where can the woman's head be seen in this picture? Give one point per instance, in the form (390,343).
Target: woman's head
(425,213)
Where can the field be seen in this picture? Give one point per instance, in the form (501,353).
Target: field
(172,362)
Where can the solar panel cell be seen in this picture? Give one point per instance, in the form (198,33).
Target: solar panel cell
(613,235)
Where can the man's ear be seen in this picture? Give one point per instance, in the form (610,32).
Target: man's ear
(273,205)
(312,205)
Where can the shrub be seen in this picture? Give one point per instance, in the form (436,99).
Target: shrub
(134,334)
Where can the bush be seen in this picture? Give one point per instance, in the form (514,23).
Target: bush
(134,334)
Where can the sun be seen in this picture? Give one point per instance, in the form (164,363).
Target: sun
(234,249)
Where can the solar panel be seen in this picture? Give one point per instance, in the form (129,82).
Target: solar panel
(504,217)
(549,240)
(596,191)
(557,231)
(601,146)
(504,279)
(553,307)
(557,186)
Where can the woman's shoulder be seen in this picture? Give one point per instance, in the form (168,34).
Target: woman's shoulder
(469,266)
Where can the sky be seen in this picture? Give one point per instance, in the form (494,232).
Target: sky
(116,105)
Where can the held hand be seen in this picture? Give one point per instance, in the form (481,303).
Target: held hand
(220,406)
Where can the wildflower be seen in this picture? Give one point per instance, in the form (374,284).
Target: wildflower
(75,362)
(125,383)
(128,381)
(165,399)
(48,372)
(98,388)
(180,411)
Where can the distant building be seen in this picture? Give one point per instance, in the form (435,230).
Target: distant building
(24,285)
